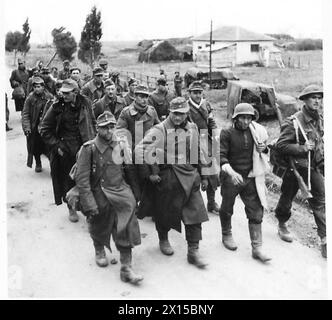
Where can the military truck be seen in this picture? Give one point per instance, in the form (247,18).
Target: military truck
(219,77)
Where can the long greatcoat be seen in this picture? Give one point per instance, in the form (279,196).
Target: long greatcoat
(50,129)
(32,112)
(177,196)
(101,184)
(19,78)
(204,120)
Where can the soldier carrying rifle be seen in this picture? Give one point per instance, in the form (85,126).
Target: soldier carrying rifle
(301,138)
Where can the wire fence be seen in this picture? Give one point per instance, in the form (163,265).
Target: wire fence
(148,80)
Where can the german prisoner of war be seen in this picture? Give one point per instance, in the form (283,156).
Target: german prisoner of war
(302,138)
(160,98)
(67,124)
(19,82)
(243,167)
(32,113)
(136,159)
(201,114)
(177,182)
(106,198)
(110,101)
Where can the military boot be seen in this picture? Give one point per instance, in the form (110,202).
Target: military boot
(164,245)
(212,206)
(100,256)
(255,231)
(283,233)
(194,257)
(323,247)
(227,237)
(126,272)
(38,167)
(73,216)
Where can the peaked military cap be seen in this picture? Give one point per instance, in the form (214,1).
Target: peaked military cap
(142,89)
(179,104)
(106,118)
(97,71)
(109,82)
(37,80)
(196,85)
(69,85)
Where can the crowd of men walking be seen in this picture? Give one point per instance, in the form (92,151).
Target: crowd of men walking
(119,153)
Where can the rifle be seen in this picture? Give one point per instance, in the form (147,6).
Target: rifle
(51,59)
(303,187)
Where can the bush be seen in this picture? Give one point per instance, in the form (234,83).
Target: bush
(306,44)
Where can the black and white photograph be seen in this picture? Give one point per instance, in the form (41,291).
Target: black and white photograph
(165,150)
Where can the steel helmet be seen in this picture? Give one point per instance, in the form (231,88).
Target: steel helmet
(311,89)
(245,108)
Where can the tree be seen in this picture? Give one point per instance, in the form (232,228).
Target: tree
(90,45)
(24,45)
(65,43)
(13,42)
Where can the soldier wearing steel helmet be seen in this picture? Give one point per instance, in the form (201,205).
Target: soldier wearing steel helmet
(301,145)
(31,116)
(242,160)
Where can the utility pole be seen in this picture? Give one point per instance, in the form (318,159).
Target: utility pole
(210,80)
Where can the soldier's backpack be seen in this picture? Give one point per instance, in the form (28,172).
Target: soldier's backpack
(72,195)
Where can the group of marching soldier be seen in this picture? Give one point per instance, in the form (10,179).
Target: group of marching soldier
(117,156)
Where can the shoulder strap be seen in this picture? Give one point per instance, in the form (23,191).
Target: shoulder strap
(301,128)
(93,158)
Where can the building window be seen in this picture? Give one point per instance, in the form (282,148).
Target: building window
(254,48)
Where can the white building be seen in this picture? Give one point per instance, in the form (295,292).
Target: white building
(233,45)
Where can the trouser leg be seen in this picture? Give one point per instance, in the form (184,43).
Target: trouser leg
(289,188)
(317,202)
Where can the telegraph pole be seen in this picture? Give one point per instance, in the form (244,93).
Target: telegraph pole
(210,80)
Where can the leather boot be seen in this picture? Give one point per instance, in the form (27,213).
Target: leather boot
(164,245)
(38,167)
(194,257)
(100,256)
(227,237)
(212,206)
(73,216)
(323,247)
(283,233)
(126,272)
(255,231)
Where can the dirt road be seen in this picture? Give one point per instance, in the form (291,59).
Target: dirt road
(49,257)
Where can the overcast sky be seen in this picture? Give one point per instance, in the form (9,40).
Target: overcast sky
(139,19)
